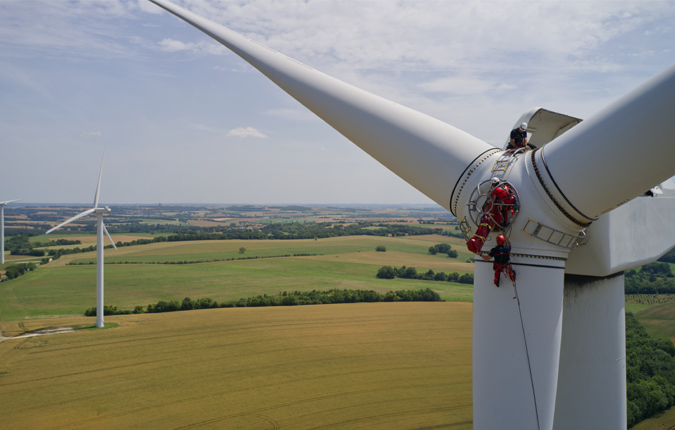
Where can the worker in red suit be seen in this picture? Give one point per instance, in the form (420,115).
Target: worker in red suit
(496,210)
(502,255)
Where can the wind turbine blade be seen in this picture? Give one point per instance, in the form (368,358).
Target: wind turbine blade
(98,187)
(427,153)
(10,201)
(76,217)
(615,155)
(516,345)
(108,234)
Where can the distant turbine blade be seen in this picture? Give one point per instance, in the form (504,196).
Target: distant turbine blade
(98,187)
(76,217)
(10,201)
(615,155)
(428,154)
(108,234)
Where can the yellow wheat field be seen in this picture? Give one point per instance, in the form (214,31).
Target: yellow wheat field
(357,366)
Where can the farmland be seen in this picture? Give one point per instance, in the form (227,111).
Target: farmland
(655,312)
(379,365)
(139,275)
(393,365)
(383,365)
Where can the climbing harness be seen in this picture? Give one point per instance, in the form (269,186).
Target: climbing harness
(493,206)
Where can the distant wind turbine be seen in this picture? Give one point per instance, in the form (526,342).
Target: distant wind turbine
(2,228)
(100,228)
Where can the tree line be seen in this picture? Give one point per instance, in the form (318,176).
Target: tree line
(286,298)
(210,260)
(13,271)
(653,278)
(388,272)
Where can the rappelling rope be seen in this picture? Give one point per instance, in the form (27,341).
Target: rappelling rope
(527,354)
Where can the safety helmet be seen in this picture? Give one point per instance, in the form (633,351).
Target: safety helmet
(501,239)
(523,126)
(495,181)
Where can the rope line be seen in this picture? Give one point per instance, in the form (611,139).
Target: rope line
(527,354)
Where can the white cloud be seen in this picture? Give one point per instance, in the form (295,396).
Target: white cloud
(464,86)
(244,132)
(203,47)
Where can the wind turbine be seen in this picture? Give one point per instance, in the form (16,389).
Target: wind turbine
(2,228)
(100,229)
(554,358)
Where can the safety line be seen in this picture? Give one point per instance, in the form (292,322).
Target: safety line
(527,354)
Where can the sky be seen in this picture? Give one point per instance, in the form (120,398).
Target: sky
(183,120)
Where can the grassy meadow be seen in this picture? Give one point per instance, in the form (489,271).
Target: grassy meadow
(140,275)
(655,312)
(358,366)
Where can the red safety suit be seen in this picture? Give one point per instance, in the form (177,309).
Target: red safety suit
(495,214)
(502,263)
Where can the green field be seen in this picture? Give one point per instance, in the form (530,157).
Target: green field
(58,288)
(655,312)
(359,366)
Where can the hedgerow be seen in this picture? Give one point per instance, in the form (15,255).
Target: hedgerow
(286,298)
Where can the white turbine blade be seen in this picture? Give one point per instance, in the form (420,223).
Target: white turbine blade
(108,234)
(516,345)
(10,201)
(98,187)
(615,155)
(425,152)
(78,216)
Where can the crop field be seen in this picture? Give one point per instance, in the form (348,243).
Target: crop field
(357,366)
(663,421)
(656,314)
(138,275)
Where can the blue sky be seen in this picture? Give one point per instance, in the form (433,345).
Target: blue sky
(183,120)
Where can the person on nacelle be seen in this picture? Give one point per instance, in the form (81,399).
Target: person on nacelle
(519,138)
(496,211)
(502,255)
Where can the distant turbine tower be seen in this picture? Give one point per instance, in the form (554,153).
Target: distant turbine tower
(100,229)
(554,358)
(2,228)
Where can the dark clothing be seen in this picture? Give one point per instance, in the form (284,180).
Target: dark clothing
(518,137)
(519,140)
(501,254)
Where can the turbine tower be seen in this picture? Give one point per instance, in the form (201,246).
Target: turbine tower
(2,228)
(554,358)
(100,229)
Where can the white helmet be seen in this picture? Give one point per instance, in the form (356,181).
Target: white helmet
(523,126)
(495,181)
